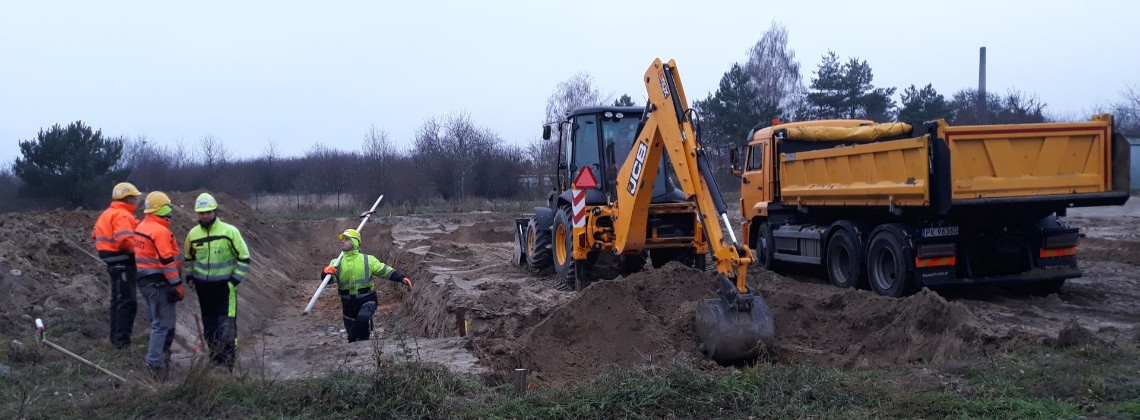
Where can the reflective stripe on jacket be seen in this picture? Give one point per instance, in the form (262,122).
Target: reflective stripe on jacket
(216,254)
(156,250)
(114,233)
(356,270)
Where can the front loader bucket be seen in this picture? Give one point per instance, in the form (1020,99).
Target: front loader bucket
(518,252)
(733,335)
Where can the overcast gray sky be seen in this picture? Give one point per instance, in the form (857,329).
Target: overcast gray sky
(248,72)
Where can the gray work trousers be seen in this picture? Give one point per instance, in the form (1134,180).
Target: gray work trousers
(162,320)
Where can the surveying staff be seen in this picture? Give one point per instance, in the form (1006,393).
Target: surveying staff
(116,246)
(354,281)
(158,259)
(217,261)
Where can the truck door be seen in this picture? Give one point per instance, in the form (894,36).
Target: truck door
(755,179)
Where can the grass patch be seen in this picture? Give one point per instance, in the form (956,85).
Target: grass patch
(1041,383)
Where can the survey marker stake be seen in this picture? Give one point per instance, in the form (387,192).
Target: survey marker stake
(40,333)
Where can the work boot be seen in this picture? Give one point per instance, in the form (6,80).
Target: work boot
(159,373)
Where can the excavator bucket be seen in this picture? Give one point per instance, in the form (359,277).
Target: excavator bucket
(734,329)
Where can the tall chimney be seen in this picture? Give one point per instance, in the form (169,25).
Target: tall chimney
(982,78)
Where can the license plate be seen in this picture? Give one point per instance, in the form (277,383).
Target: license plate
(940,231)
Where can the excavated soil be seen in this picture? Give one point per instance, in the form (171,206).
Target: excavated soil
(511,317)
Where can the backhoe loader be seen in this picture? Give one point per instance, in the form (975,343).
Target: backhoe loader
(635,181)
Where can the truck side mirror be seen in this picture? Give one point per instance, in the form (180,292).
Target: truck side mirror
(732,159)
(546,132)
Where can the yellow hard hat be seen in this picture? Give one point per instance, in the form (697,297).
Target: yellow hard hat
(123,190)
(350,233)
(157,203)
(205,202)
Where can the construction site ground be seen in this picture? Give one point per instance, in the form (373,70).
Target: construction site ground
(516,318)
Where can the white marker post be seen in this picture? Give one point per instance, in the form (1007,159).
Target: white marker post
(336,263)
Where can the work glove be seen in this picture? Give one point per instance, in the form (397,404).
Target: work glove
(176,293)
(328,270)
(234,281)
(407,282)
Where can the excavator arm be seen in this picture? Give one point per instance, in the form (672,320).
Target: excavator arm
(732,326)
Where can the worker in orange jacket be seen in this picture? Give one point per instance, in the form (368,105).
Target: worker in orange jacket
(159,260)
(115,243)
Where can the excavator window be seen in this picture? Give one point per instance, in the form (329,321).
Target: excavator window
(584,148)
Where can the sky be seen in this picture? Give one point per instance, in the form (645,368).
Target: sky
(296,73)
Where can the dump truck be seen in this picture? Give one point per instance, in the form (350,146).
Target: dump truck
(895,208)
(636,181)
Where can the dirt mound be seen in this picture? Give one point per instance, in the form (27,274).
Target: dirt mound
(1098,249)
(1074,335)
(822,324)
(483,233)
(48,269)
(645,317)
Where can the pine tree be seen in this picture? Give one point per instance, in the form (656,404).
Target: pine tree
(76,164)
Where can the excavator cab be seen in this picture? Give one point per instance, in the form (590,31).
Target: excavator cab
(600,138)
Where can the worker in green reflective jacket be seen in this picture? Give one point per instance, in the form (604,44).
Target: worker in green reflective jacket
(216,261)
(354,283)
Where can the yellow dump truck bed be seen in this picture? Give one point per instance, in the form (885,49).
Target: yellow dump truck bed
(961,165)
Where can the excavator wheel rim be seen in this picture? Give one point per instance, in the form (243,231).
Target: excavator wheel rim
(530,242)
(560,251)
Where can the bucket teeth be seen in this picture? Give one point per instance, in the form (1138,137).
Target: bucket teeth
(730,335)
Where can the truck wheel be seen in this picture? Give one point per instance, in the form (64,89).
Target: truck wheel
(538,253)
(844,260)
(888,270)
(766,247)
(575,273)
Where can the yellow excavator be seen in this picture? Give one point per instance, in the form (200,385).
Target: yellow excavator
(637,208)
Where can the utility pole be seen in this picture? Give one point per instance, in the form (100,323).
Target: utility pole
(982,80)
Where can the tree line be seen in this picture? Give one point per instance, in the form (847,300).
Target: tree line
(453,157)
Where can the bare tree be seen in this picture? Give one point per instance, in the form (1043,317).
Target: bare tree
(214,153)
(575,92)
(450,149)
(774,71)
(1126,112)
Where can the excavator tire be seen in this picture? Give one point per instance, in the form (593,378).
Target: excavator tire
(574,273)
(538,247)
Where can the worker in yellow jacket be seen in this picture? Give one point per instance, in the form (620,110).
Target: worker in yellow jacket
(354,282)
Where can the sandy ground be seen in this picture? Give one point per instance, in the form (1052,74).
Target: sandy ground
(513,317)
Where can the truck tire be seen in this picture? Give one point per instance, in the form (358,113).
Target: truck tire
(538,244)
(766,248)
(576,274)
(844,260)
(888,269)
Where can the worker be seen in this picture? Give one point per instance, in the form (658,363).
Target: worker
(354,280)
(114,241)
(217,262)
(159,262)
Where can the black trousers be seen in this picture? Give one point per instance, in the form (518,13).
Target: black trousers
(358,315)
(124,306)
(218,302)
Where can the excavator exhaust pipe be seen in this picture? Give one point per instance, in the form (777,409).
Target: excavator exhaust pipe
(735,326)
